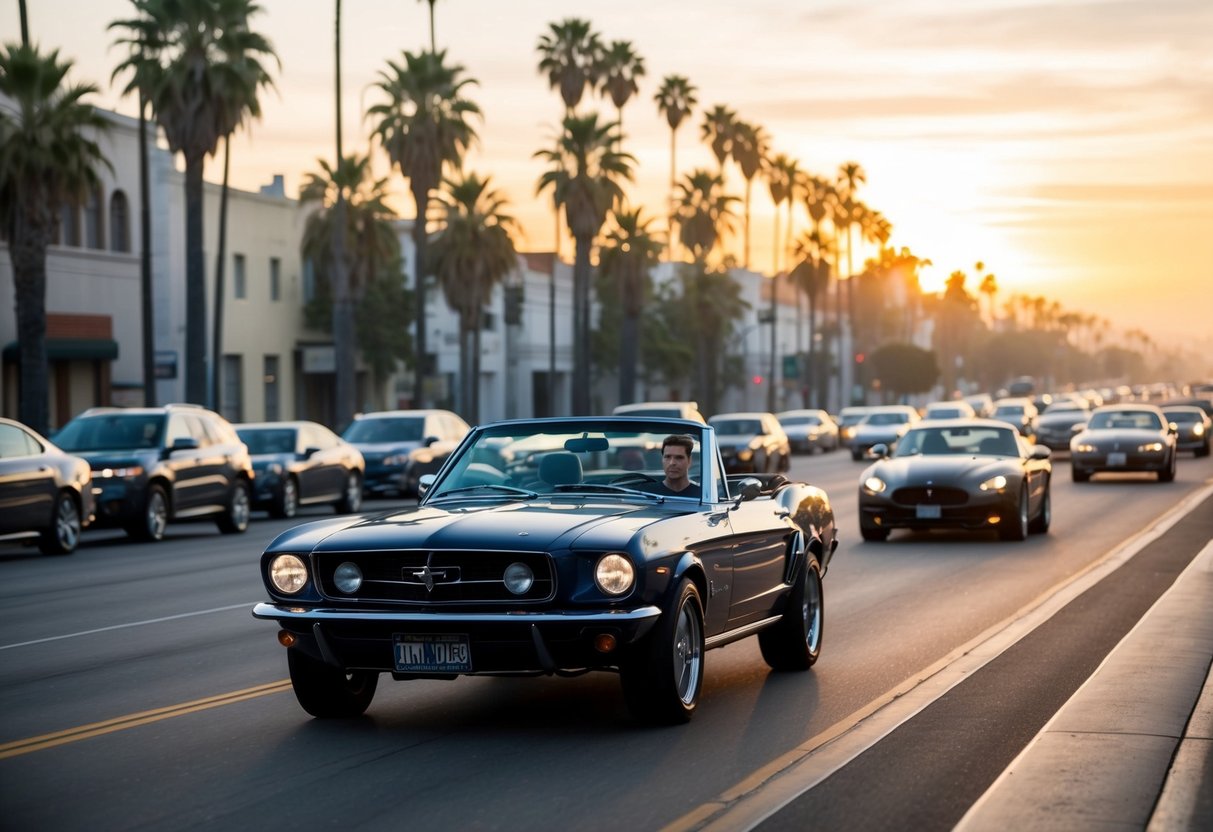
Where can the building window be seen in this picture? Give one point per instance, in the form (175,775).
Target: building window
(233,384)
(120,222)
(271,388)
(69,223)
(239,277)
(309,281)
(94,236)
(275,279)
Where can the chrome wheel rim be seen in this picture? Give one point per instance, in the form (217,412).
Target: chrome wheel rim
(687,654)
(240,508)
(812,610)
(67,527)
(157,515)
(290,498)
(353,493)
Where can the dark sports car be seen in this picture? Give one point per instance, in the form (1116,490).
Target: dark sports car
(979,474)
(1124,437)
(555,557)
(302,463)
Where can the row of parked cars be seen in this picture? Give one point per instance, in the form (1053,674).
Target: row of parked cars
(141,468)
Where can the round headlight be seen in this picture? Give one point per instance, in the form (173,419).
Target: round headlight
(994,483)
(519,578)
(614,574)
(347,577)
(874,484)
(288,574)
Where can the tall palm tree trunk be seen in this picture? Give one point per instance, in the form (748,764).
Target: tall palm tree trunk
(146,296)
(27,250)
(216,398)
(748,184)
(421,199)
(343,308)
(669,228)
(581,326)
(195,285)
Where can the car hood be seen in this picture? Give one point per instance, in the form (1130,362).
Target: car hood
(939,470)
(1061,420)
(118,458)
(532,525)
(263,461)
(735,440)
(880,430)
(373,450)
(1127,436)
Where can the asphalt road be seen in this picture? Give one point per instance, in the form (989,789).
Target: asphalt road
(137,692)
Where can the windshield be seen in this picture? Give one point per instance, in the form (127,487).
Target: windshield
(268,440)
(1125,419)
(733,427)
(975,441)
(404,429)
(800,420)
(1009,410)
(521,460)
(1183,417)
(112,432)
(886,419)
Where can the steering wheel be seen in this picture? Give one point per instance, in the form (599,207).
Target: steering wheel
(634,476)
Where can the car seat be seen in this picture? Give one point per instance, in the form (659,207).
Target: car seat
(560,468)
(934,444)
(994,446)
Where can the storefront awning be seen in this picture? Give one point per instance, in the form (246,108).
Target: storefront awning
(70,349)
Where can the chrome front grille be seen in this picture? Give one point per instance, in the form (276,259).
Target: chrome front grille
(422,576)
(930,495)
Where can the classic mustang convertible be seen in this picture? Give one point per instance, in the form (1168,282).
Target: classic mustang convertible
(549,546)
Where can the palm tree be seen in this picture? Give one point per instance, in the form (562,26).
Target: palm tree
(750,148)
(472,253)
(341,316)
(704,212)
(812,277)
(619,68)
(585,176)
(192,54)
(718,129)
(675,100)
(433,40)
(48,156)
(571,57)
(630,253)
(424,127)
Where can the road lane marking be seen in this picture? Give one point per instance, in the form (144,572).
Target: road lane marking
(772,786)
(248,605)
(96,729)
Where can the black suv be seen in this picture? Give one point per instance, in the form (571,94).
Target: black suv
(156,464)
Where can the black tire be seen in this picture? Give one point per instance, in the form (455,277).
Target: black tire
(351,496)
(1203,450)
(856,454)
(63,534)
(153,520)
(1167,474)
(1015,526)
(327,692)
(234,519)
(654,693)
(1079,475)
(873,534)
(286,501)
(1040,523)
(795,642)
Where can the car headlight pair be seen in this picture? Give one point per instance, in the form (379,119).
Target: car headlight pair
(1150,448)
(1083,448)
(288,574)
(129,472)
(997,483)
(396,459)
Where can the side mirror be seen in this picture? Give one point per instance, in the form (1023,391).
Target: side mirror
(184,443)
(748,489)
(429,440)
(423,484)
(308,453)
(878,451)
(1041,452)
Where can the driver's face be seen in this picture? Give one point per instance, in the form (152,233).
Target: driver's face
(675,462)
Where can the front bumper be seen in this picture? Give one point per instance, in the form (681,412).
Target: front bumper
(1128,461)
(500,642)
(980,512)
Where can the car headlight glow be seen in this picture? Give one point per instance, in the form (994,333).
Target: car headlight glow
(1083,448)
(614,574)
(273,469)
(875,485)
(288,573)
(395,459)
(997,483)
(1198,430)
(348,578)
(128,472)
(745,455)
(1150,447)
(519,578)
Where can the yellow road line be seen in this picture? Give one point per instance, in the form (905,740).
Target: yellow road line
(96,729)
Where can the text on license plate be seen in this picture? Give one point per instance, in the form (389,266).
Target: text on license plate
(1116,459)
(927,512)
(432,653)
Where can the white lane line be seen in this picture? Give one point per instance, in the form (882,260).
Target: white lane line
(248,605)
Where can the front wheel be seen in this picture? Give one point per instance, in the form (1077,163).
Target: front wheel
(61,537)
(1079,475)
(234,519)
(795,642)
(153,520)
(351,497)
(287,502)
(663,677)
(1040,524)
(1167,474)
(1015,526)
(328,692)
(873,534)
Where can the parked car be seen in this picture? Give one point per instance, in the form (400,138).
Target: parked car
(1019,413)
(752,443)
(1124,437)
(46,495)
(672,410)
(979,474)
(557,566)
(300,464)
(958,409)
(399,446)
(809,430)
(1059,424)
(882,425)
(982,404)
(155,465)
(1193,428)
(848,420)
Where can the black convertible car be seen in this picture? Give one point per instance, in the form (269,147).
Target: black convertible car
(549,546)
(978,474)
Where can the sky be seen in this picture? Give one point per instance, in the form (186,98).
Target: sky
(1065,145)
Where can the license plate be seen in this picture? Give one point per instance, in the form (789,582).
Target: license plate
(1117,459)
(925,512)
(438,653)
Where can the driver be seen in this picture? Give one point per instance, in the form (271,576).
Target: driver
(676,462)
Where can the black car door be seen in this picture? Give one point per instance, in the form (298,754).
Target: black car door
(27,482)
(760,556)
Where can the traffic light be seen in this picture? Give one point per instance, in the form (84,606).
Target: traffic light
(758,379)
(859,358)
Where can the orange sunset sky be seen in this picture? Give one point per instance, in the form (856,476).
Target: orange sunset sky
(1067,145)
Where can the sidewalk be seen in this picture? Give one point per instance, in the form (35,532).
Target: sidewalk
(1133,747)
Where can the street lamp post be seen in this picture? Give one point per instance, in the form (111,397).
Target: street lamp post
(774,356)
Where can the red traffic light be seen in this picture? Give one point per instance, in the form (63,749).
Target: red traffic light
(758,379)
(859,357)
